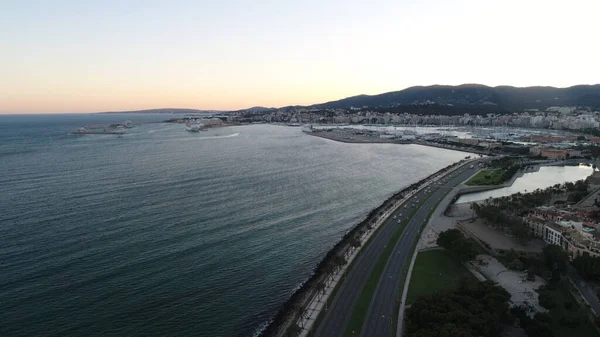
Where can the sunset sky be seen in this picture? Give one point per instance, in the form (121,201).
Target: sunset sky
(86,56)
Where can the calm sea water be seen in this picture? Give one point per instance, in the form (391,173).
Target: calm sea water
(547,176)
(169,233)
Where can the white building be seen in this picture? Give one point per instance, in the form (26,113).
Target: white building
(552,236)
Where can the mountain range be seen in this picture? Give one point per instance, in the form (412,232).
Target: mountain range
(501,98)
(446,99)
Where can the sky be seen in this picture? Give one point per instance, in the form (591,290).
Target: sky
(89,56)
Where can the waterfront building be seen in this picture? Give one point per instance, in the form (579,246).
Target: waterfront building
(552,153)
(571,230)
(536,226)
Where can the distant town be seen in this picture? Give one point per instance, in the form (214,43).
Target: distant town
(553,118)
(556,133)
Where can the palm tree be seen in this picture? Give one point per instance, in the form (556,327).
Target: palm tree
(320,289)
(475,209)
(329,268)
(355,242)
(338,262)
(298,310)
(294,331)
(347,252)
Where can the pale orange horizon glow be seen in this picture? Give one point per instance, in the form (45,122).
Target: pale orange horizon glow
(110,55)
(115,98)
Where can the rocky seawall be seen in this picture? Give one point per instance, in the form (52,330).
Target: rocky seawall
(291,310)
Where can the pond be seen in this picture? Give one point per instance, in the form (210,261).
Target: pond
(547,176)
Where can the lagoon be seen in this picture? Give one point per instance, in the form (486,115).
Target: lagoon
(545,177)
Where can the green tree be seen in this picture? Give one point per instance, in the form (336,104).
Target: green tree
(320,289)
(475,309)
(447,238)
(555,258)
(520,232)
(570,320)
(588,266)
(465,249)
(338,262)
(474,209)
(538,326)
(546,300)
(516,264)
(294,331)
(454,241)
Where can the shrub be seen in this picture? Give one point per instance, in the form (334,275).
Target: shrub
(547,301)
(571,321)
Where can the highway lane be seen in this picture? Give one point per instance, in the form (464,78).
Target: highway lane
(383,307)
(336,318)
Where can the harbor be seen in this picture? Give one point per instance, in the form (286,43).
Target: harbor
(356,136)
(364,136)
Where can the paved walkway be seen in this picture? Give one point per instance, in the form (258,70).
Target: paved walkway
(521,290)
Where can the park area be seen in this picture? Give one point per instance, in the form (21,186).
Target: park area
(435,271)
(488,177)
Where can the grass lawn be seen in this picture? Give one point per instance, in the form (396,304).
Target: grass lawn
(435,271)
(487,177)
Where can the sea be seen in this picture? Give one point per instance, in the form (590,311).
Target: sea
(165,232)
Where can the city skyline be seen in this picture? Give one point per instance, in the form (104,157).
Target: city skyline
(108,56)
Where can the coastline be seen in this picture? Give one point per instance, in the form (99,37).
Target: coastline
(291,310)
(371,140)
(358,141)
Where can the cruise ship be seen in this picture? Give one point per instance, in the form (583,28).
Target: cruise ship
(307,128)
(194,127)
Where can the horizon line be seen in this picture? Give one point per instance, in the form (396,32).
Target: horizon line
(293,105)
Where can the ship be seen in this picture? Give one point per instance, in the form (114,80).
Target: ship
(307,128)
(194,127)
(126,125)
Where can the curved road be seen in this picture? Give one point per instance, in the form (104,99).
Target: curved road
(382,310)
